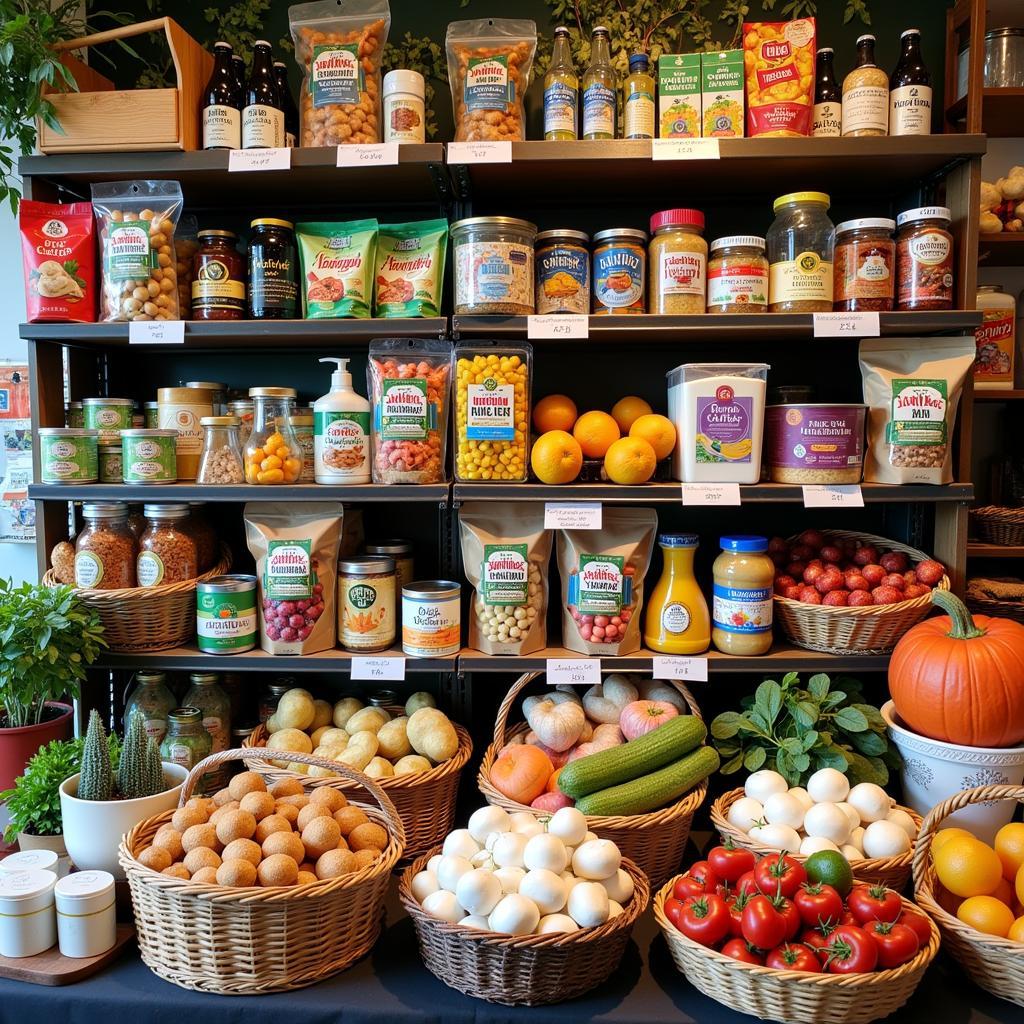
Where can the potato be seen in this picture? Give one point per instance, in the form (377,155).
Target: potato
(361,748)
(323,713)
(392,739)
(296,710)
(412,763)
(372,719)
(290,739)
(419,700)
(316,772)
(432,735)
(379,768)
(345,709)
(317,734)
(333,738)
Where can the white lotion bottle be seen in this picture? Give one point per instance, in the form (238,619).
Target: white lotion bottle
(341,431)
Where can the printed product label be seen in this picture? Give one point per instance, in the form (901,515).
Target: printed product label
(109,420)
(560,108)
(807,278)
(910,110)
(262,127)
(226,622)
(181,754)
(406,278)
(600,587)
(638,118)
(490,411)
(336,74)
(215,727)
(68,459)
(866,107)
(338,271)
(214,288)
(724,427)
(128,252)
(367,611)
(288,571)
(918,412)
(150,569)
(827,119)
(679,100)
(738,284)
(185,420)
(682,273)
(404,413)
(599,110)
(488,86)
(155,727)
(111,465)
(403,119)
(864,270)
(815,438)
(88,569)
(430,628)
(742,609)
(619,279)
(222,127)
(675,618)
(563,280)
(341,443)
(995,343)
(931,248)
(149,459)
(493,272)
(505,574)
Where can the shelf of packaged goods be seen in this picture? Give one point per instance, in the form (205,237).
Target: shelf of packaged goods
(191,491)
(978,549)
(312,178)
(243,334)
(1007,395)
(1002,250)
(1002,112)
(599,173)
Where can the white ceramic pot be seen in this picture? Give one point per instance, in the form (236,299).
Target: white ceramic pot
(933,771)
(93,828)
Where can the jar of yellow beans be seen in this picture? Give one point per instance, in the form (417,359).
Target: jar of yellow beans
(273,454)
(492,412)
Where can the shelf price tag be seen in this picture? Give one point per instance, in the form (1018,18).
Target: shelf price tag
(381,154)
(833,496)
(279,159)
(711,494)
(572,515)
(479,152)
(692,670)
(685,149)
(577,671)
(560,325)
(846,325)
(156,332)
(378,669)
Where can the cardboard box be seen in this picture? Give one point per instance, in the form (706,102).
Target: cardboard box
(721,86)
(679,96)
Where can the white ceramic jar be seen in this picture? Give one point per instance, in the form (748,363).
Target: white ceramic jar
(30,860)
(86,915)
(28,924)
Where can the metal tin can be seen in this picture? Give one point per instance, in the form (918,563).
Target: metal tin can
(431,625)
(67,455)
(151,415)
(226,614)
(110,460)
(366,603)
(619,272)
(149,456)
(562,259)
(107,415)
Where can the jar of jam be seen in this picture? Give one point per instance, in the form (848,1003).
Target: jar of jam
(273,270)
(924,259)
(865,260)
(218,277)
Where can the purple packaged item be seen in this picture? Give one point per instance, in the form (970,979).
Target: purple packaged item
(816,443)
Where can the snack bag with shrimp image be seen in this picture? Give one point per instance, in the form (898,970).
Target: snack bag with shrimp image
(778,61)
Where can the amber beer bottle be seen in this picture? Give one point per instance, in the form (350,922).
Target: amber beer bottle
(828,96)
(262,115)
(222,103)
(910,90)
(291,111)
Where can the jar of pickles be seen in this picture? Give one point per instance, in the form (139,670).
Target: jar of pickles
(153,700)
(273,454)
(186,741)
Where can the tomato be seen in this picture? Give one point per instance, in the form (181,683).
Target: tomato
(851,951)
(793,958)
(779,873)
(701,870)
(736,904)
(747,883)
(763,925)
(742,951)
(790,911)
(674,911)
(729,862)
(705,919)
(686,887)
(818,940)
(874,903)
(818,903)
(896,943)
(919,925)
(847,918)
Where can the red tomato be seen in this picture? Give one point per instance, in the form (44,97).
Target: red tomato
(851,951)
(847,918)
(729,862)
(818,904)
(794,922)
(818,939)
(686,887)
(736,903)
(763,924)
(779,873)
(674,911)
(897,943)
(919,925)
(742,951)
(705,919)
(793,958)
(701,870)
(747,883)
(874,903)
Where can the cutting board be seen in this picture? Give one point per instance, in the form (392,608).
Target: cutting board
(52,968)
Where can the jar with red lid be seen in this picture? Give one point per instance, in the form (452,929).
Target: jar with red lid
(677,262)
(864,265)
(218,277)
(924,259)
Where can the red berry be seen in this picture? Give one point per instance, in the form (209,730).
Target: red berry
(836,598)
(859,598)
(873,573)
(810,595)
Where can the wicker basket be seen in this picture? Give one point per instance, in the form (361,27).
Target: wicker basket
(654,841)
(249,941)
(996,965)
(425,801)
(528,970)
(139,620)
(793,996)
(997,525)
(984,605)
(871,629)
(893,872)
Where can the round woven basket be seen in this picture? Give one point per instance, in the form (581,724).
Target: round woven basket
(998,525)
(654,841)
(526,970)
(985,605)
(425,801)
(237,941)
(793,996)
(996,965)
(138,620)
(893,872)
(871,629)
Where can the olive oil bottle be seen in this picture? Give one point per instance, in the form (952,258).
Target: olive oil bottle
(561,92)
(600,89)
(638,109)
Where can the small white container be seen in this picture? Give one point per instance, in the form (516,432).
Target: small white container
(86,915)
(30,860)
(28,924)
(404,117)
(431,626)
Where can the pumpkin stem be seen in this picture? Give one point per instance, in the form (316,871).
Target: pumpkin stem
(963,627)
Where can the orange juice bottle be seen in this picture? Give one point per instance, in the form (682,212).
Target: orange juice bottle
(677,615)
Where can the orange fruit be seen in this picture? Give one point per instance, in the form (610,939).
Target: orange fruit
(1016,932)
(944,835)
(968,867)
(1009,845)
(657,431)
(595,431)
(1019,884)
(946,899)
(556,457)
(626,410)
(630,460)
(1004,893)
(986,914)
(554,412)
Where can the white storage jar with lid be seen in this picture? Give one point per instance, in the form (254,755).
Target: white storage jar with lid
(86,915)
(28,924)
(403,106)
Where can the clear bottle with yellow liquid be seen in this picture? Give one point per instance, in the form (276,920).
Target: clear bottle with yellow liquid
(677,615)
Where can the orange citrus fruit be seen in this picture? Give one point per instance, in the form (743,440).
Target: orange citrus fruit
(986,914)
(944,835)
(626,410)
(1004,893)
(1009,844)
(657,431)
(968,867)
(1019,885)
(556,457)
(595,432)
(554,412)
(630,460)
(1016,932)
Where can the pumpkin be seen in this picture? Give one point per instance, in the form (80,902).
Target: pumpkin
(604,701)
(642,716)
(521,773)
(557,719)
(958,678)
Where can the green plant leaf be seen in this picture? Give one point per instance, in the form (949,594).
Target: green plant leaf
(873,715)
(850,720)
(801,762)
(831,757)
(832,700)
(818,685)
(805,713)
(732,765)
(809,739)
(869,743)
(726,725)
(754,759)
(768,700)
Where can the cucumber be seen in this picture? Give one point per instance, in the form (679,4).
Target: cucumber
(655,790)
(669,742)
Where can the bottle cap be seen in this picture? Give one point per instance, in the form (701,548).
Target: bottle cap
(403,80)
(639,60)
(340,377)
(744,542)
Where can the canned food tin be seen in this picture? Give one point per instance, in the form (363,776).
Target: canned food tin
(366,603)
(619,272)
(111,462)
(226,614)
(107,415)
(563,272)
(149,456)
(431,627)
(67,455)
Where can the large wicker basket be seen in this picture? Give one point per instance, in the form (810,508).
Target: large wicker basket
(793,996)
(996,965)
(139,620)
(249,941)
(891,871)
(871,629)
(998,525)
(425,801)
(527,970)
(654,841)
(978,601)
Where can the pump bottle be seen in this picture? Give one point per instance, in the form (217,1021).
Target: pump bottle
(341,431)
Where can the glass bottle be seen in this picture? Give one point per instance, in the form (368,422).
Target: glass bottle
(827,119)
(910,90)
(677,619)
(262,116)
(291,111)
(186,742)
(238,67)
(866,94)
(222,103)
(221,461)
(561,92)
(600,89)
(153,700)
(638,112)
(273,454)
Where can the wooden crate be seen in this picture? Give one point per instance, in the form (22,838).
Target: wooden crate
(101,118)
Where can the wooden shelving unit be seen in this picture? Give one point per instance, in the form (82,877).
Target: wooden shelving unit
(1002,250)
(979,549)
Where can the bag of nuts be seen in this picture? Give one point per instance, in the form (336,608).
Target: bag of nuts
(489,63)
(505,554)
(912,389)
(136,221)
(340,55)
(603,581)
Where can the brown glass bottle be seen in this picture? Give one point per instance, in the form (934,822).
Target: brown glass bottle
(291,111)
(828,96)
(218,281)
(273,270)
(866,94)
(910,89)
(238,66)
(222,103)
(262,116)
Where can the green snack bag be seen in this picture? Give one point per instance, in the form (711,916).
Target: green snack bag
(410,268)
(337,267)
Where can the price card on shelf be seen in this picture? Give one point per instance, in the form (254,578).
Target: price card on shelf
(379,669)
(156,332)
(685,149)
(711,494)
(381,154)
(846,325)
(560,325)
(572,515)
(479,152)
(833,496)
(279,159)
(577,671)
(693,670)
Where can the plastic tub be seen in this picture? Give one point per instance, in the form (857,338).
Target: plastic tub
(815,443)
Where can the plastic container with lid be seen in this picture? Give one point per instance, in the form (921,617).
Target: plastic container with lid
(366,603)
(924,259)
(677,620)
(273,270)
(403,106)
(741,609)
(167,553)
(28,923)
(995,338)
(677,262)
(563,272)
(494,265)
(801,242)
(86,914)
(30,860)
(105,548)
(619,272)
(738,275)
(431,624)
(273,454)
(865,265)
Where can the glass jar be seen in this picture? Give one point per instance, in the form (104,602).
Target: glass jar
(186,741)
(136,521)
(242,409)
(273,454)
(105,548)
(302,424)
(619,272)
(151,415)
(271,696)
(203,533)
(109,460)
(383,699)
(995,339)
(154,701)
(167,553)
(366,603)
(206,694)
(401,552)
(493,265)
(738,275)
(563,272)
(74,416)
(865,265)
(218,277)
(801,242)
(273,270)
(924,259)
(677,263)
(218,394)
(741,610)
(221,461)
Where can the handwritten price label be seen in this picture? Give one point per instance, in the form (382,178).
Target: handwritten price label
(564,325)
(846,325)
(685,149)
(577,671)
(694,670)
(379,669)
(383,154)
(711,494)
(572,515)
(279,159)
(479,152)
(156,332)
(833,496)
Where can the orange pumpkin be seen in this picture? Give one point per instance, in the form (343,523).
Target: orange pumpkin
(521,773)
(960,679)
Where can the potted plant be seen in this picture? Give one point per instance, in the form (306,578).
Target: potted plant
(47,639)
(99,804)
